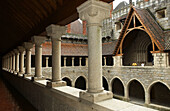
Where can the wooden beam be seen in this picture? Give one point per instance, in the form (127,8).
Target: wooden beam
(121,43)
(134,21)
(148,32)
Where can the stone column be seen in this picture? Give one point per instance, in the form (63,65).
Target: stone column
(16,60)
(72,61)
(8,62)
(55,32)
(87,61)
(65,61)
(117,61)
(126,93)
(5,62)
(160,59)
(104,61)
(38,40)
(13,61)
(147,98)
(80,61)
(46,58)
(94,12)
(21,59)
(113,60)
(28,46)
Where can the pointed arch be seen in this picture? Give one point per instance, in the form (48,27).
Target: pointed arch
(150,27)
(80,83)
(118,86)
(159,93)
(105,83)
(136,90)
(68,80)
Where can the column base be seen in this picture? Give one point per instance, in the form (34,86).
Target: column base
(37,78)
(56,84)
(27,75)
(11,71)
(19,74)
(95,97)
(15,72)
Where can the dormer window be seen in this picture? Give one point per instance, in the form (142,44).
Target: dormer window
(118,26)
(160,13)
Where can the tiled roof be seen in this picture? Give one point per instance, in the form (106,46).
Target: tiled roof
(108,48)
(152,26)
(167,40)
(67,49)
(70,49)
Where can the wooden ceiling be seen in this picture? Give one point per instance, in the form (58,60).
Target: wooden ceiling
(21,19)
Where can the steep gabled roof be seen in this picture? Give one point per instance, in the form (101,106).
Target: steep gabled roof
(152,26)
(167,40)
(149,24)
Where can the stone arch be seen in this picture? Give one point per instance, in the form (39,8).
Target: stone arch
(136,91)
(68,80)
(105,83)
(159,93)
(118,86)
(80,83)
(134,47)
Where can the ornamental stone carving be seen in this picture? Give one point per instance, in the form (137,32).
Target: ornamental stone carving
(94,11)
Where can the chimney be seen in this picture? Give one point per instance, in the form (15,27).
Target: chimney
(84,28)
(69,28)
(111,9)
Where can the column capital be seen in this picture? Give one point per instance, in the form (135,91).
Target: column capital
(28,45)
(55,31)
(16,51)
(21,48)
(38,40)
(12,53)
(94,11)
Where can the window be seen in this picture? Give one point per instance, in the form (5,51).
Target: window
(118,26)
(160,13)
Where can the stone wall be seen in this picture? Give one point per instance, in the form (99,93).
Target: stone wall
(146,75)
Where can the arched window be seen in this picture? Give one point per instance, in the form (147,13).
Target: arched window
(105,84)
(117,87)
(67,80)
(80,83)
(136,91)
(160,94)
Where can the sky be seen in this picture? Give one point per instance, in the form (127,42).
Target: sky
(116,2)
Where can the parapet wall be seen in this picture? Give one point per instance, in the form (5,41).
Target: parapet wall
(62,98)
(146,75)
(45,99)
